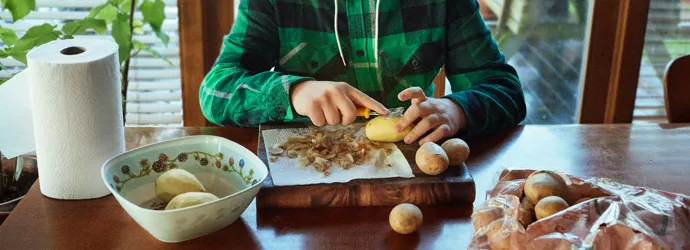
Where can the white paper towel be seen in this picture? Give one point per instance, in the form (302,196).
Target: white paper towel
(287,172)
(16,126)
(76,103)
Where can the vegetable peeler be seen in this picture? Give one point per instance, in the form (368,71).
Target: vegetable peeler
(366,112)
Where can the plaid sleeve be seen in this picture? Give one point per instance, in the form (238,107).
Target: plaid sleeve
(484,85)
(240,88)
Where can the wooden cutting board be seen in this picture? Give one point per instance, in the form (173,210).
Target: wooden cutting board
(454,186)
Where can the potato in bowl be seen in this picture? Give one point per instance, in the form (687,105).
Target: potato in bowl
(222,167)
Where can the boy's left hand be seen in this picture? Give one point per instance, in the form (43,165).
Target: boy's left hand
(443,115)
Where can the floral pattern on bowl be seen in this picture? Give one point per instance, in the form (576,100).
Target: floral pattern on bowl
(226,169)
(165,163)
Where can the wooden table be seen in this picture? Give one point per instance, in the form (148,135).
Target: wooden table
(651,155)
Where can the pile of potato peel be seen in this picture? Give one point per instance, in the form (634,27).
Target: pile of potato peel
(322,148)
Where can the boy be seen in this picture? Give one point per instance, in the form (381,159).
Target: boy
(332,56)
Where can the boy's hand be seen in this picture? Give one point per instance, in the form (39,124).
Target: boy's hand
(443,115)
(331,102)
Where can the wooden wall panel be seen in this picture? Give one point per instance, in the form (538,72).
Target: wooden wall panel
(614,54)
(203,23)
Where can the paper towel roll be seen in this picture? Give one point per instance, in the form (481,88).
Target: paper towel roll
(77,115)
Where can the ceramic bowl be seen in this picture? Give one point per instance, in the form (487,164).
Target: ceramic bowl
(225,168)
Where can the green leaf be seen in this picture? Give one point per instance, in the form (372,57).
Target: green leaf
(122,35)
(125,5)
(157,54)
(108,13)
(154,13)
(163,37)
(138,23)
(8,36)
(35,36)
(81,26)
(18,54)
(70,28)
(116,2)
(97,10)
(139,45)
(19,8)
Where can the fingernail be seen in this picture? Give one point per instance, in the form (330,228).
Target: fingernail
(397,128)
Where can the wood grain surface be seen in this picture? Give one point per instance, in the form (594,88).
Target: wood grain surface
(646,155)
(454,186)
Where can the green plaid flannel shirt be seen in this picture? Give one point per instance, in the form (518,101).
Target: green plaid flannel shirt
(275,44)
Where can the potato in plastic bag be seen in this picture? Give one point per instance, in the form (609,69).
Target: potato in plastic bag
(496,221)
(602,215)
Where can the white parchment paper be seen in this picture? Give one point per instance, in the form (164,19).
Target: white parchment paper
(287,172)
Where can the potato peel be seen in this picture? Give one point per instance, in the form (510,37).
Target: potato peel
(321,148)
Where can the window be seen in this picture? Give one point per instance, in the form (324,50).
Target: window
(154,95)
(668,37)
(545,41)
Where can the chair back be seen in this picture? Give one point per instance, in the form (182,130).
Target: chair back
(677,90)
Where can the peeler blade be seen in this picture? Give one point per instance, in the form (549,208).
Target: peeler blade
(395,112)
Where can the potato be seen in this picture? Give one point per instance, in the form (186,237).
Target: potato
(526,212)
(190,199)
(549,206)
(457,150)
(431,159)
(526,203)
(544,184)
(499,240)
(382,129)
(175,182)
(485,216)
(405,218)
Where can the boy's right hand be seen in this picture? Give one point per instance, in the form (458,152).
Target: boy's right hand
(331,102)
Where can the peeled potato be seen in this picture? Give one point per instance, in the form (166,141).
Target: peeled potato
(175,182)
(485,216)
(405,218)
(549,206)
(190,199)
(457,150)
(544,184)
(382,129)
(431,159)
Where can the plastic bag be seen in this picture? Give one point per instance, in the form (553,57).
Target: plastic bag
(602,214)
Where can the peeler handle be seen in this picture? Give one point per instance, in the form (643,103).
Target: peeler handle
(363,112)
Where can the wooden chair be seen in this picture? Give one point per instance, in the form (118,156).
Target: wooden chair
(677,89)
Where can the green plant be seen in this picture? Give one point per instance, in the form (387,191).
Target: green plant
(115,16)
